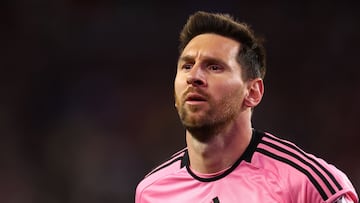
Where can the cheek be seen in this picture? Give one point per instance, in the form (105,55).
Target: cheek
(231,89)
(179,86)
(177,91)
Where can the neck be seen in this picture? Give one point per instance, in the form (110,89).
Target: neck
(221,149)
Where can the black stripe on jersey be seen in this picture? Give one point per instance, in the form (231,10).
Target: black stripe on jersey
(282,159)
(177,153)
(164,166)
(180,158)
(303,161)
(331,176)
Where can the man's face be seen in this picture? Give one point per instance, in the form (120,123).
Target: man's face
(209,89)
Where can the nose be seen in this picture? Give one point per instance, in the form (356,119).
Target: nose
(196,77)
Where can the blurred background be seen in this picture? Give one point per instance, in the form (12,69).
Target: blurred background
(87,109)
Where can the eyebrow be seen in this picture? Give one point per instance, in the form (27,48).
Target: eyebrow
(206,59)
(186,58)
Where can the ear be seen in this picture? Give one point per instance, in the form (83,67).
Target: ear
(255,92)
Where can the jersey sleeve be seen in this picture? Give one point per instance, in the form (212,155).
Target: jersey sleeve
(347,190)
(332,184)
(307,178)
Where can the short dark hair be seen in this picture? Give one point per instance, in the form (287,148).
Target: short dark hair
(251,55)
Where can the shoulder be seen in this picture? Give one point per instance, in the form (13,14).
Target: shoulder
(171,166)
(303,174)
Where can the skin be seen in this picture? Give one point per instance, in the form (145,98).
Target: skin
(214,102)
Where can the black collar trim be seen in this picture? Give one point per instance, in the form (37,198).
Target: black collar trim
(247,155)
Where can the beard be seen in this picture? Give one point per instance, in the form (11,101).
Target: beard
(204,122)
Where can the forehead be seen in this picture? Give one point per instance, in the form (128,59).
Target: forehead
(212,45)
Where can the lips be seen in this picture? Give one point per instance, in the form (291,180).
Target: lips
(195,97)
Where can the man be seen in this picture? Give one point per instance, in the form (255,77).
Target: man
(219,82)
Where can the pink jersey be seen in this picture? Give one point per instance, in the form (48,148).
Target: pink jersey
(270,170)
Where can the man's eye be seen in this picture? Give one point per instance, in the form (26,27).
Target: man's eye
(187,66)
(215,67)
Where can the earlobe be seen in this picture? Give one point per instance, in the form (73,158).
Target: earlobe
(255,92)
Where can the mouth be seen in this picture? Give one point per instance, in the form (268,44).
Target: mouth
(195,98)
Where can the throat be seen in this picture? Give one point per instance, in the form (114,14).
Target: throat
(218,150)
(214,155)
